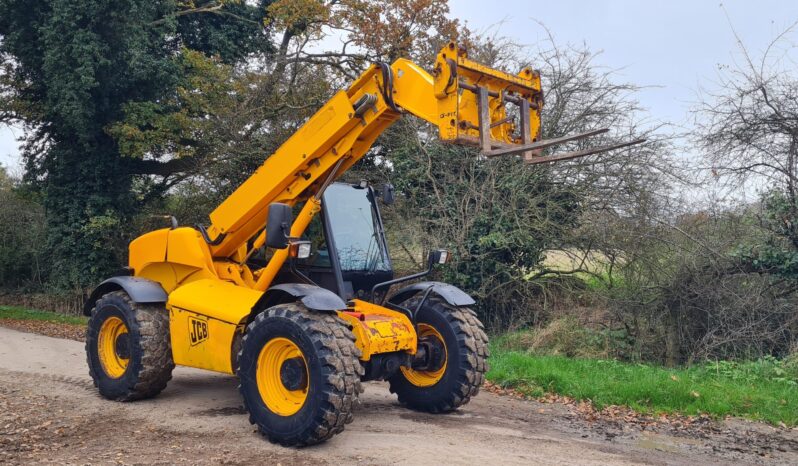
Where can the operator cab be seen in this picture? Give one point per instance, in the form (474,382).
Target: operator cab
(349,253)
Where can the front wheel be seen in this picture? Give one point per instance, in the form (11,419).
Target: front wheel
(300,374)
(128,348)
(455,352)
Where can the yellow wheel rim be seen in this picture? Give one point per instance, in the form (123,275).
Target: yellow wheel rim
(427,378)
(113,364)
(277,397)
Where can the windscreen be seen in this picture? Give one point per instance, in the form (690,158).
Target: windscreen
(354,226)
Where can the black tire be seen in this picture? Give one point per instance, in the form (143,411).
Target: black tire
(466,364)
(150,363)
(333,368)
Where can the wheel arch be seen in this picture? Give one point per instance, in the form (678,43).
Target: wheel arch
(449,293)
(313,297)
(140,290)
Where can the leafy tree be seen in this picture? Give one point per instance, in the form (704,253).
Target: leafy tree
(21,232)
(225,120)
(70,68)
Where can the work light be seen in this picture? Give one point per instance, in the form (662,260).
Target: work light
(299,249)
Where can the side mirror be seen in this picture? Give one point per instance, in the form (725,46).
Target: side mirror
(278,225)
(387,194)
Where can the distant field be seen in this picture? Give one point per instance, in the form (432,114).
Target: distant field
(571,259)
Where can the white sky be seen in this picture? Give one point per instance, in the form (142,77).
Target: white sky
(672,45)
(9,148)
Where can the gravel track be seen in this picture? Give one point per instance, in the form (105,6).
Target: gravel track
(50,413)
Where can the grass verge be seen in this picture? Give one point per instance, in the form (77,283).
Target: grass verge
(18,313)
(760,390)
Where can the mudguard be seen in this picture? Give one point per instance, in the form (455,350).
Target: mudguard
(313,297)
(449,293)
(140,290)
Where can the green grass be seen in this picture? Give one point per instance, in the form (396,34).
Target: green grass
(762,390)
(18,313)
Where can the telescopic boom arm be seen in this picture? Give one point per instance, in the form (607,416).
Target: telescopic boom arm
(467,101)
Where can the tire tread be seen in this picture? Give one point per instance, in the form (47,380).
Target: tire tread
(473,342)
(151,323)
(341,371)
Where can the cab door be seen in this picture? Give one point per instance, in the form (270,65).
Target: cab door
(321,267)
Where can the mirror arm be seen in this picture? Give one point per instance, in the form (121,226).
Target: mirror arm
(402,309)
(421,303)
(295,271)
(395,281)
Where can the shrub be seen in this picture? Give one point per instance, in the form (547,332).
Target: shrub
(566,336)
(21,238)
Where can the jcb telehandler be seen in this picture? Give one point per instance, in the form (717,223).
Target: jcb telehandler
(303,309)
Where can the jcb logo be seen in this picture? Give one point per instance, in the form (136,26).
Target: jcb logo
(197,330)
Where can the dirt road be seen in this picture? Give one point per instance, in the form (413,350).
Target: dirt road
(49,412)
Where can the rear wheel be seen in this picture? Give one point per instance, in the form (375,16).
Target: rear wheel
(455,349)
(128,348)
(300,374)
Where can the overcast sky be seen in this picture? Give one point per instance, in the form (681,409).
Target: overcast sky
(673,46)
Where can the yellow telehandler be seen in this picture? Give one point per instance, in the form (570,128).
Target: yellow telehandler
(291,287)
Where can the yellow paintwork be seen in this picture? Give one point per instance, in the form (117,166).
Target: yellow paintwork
(186,247)
(457,116)
(213,280)
(210,350)
(275,395)
(381,330)
(236,273)
(172,257)
(224,305)
(147,249)
(219,299)
(427,378)
(413,90)
(113,365)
